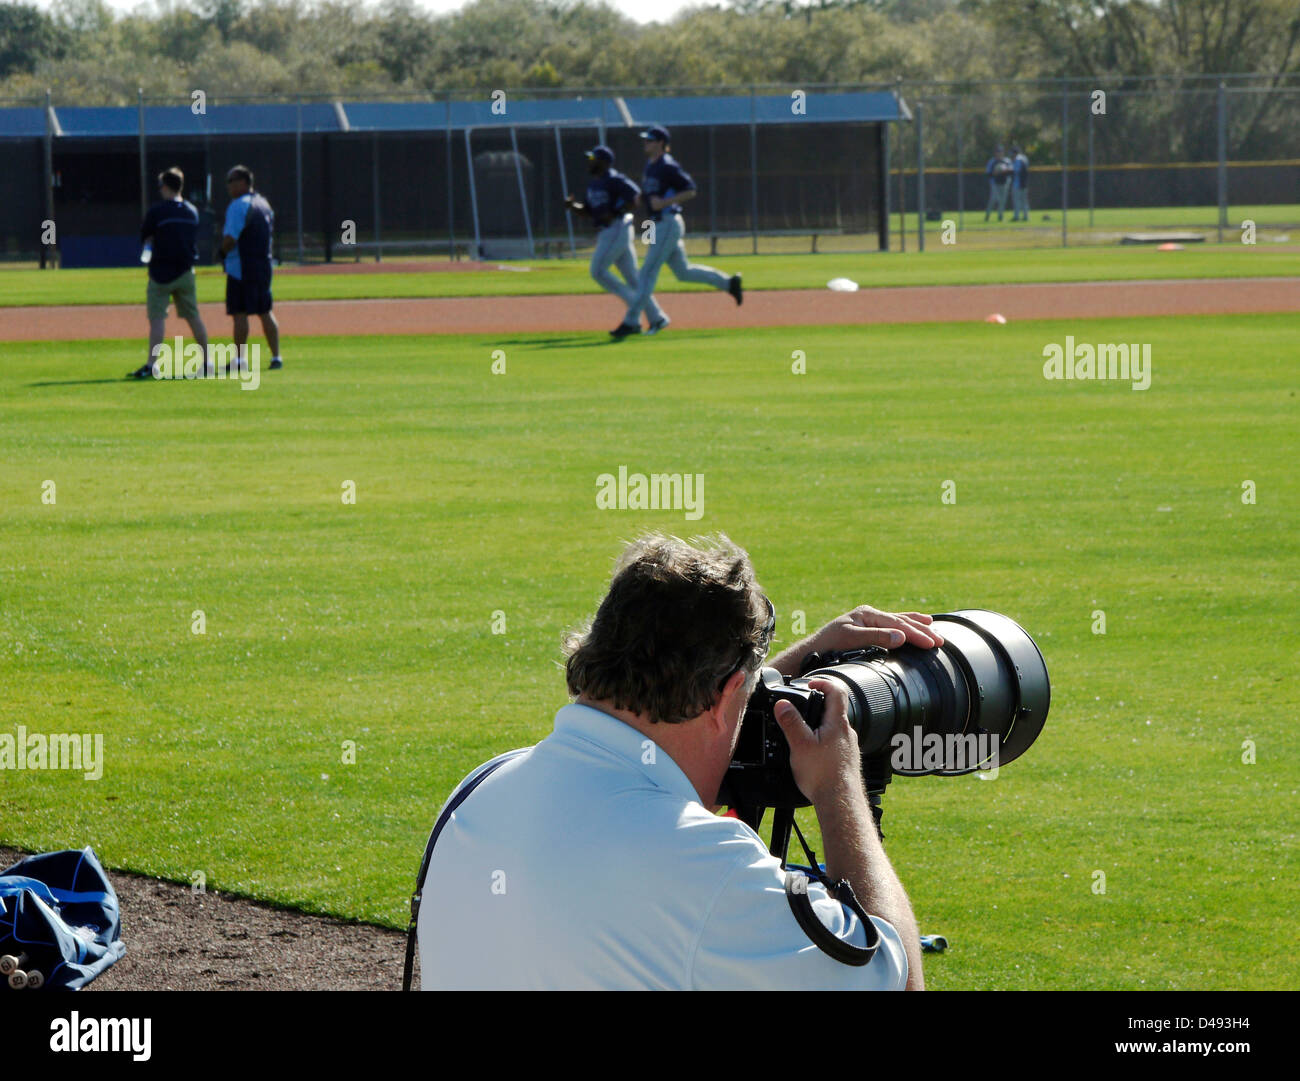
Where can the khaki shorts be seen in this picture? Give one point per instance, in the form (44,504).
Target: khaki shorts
(182,290)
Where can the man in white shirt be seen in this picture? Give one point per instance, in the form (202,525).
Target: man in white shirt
(595,859)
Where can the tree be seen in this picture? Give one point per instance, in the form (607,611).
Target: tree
(27,36)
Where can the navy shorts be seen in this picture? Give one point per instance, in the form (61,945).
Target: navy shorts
(246,296)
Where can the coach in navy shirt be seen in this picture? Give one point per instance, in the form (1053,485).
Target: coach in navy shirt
(168,237)
(246,244)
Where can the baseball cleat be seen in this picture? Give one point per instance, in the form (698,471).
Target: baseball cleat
(142,372)
(734,288)
(623,330)
(658,325)
(276,363)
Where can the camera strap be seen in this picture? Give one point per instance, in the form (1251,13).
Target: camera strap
(459,798)
(796,892)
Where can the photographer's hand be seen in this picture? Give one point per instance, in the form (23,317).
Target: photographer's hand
(862,627)
(827,769)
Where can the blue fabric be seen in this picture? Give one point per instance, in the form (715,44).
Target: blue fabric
(613,192)
(173,227)
(665,178)
(236,213)
(60,909)
(255,242)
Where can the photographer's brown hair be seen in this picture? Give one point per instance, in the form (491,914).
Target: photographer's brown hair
(678,620)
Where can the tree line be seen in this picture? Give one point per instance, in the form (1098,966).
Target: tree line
(85,52)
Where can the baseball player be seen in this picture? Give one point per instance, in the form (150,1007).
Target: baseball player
(666,186)
(1019,184)
(998,170)
(610,199)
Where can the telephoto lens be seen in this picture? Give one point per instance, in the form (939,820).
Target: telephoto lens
(975,703)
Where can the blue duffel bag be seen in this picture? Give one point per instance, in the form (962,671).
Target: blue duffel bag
(59,922)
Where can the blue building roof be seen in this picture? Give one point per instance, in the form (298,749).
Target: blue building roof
(22,123)
(267,119)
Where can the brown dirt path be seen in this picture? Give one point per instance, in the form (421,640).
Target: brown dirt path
(177,940)
(692,310)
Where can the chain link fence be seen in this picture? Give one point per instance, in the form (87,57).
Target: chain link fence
(1139,160)
(1203,160)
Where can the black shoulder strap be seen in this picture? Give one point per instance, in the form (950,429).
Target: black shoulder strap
(447,812)
(796,892)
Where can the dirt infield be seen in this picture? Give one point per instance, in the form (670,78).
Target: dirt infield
(693,310)
(177,940)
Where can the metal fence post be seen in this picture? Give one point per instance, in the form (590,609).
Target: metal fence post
(523,198)
(1222,111)
(47,250)
(374,174)
(961,176)
(298,155)
(920,178)
(564,183)
(473,198)
(902,195)
(451,187)
(1065,163)
(1092,193)
(713,190)
(753,165)
(885,168)
(144,169)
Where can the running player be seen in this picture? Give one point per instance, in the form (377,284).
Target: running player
(610,199)
(666,186)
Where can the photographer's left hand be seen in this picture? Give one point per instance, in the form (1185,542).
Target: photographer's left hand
(864,626)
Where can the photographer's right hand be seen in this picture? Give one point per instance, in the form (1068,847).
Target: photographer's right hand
(825,761)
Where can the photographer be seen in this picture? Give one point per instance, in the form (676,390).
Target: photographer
(596,860)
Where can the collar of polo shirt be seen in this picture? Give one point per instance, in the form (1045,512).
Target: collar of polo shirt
(626,743)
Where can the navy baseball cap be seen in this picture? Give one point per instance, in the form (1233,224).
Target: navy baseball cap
(601,153)
(656,132)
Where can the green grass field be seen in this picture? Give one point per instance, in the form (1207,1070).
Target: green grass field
(938,265)
(328,622)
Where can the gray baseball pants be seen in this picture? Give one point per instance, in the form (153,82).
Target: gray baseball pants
(614,248)
(669,247)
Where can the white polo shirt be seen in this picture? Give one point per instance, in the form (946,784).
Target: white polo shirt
(588,862)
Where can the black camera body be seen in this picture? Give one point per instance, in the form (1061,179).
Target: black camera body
(975,703)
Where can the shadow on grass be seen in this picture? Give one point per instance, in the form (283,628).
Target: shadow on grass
(91,382)
(585,342)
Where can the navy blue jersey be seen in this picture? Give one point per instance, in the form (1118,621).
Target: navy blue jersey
(665,178)
(172,226)
(613,193)
(250,220)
